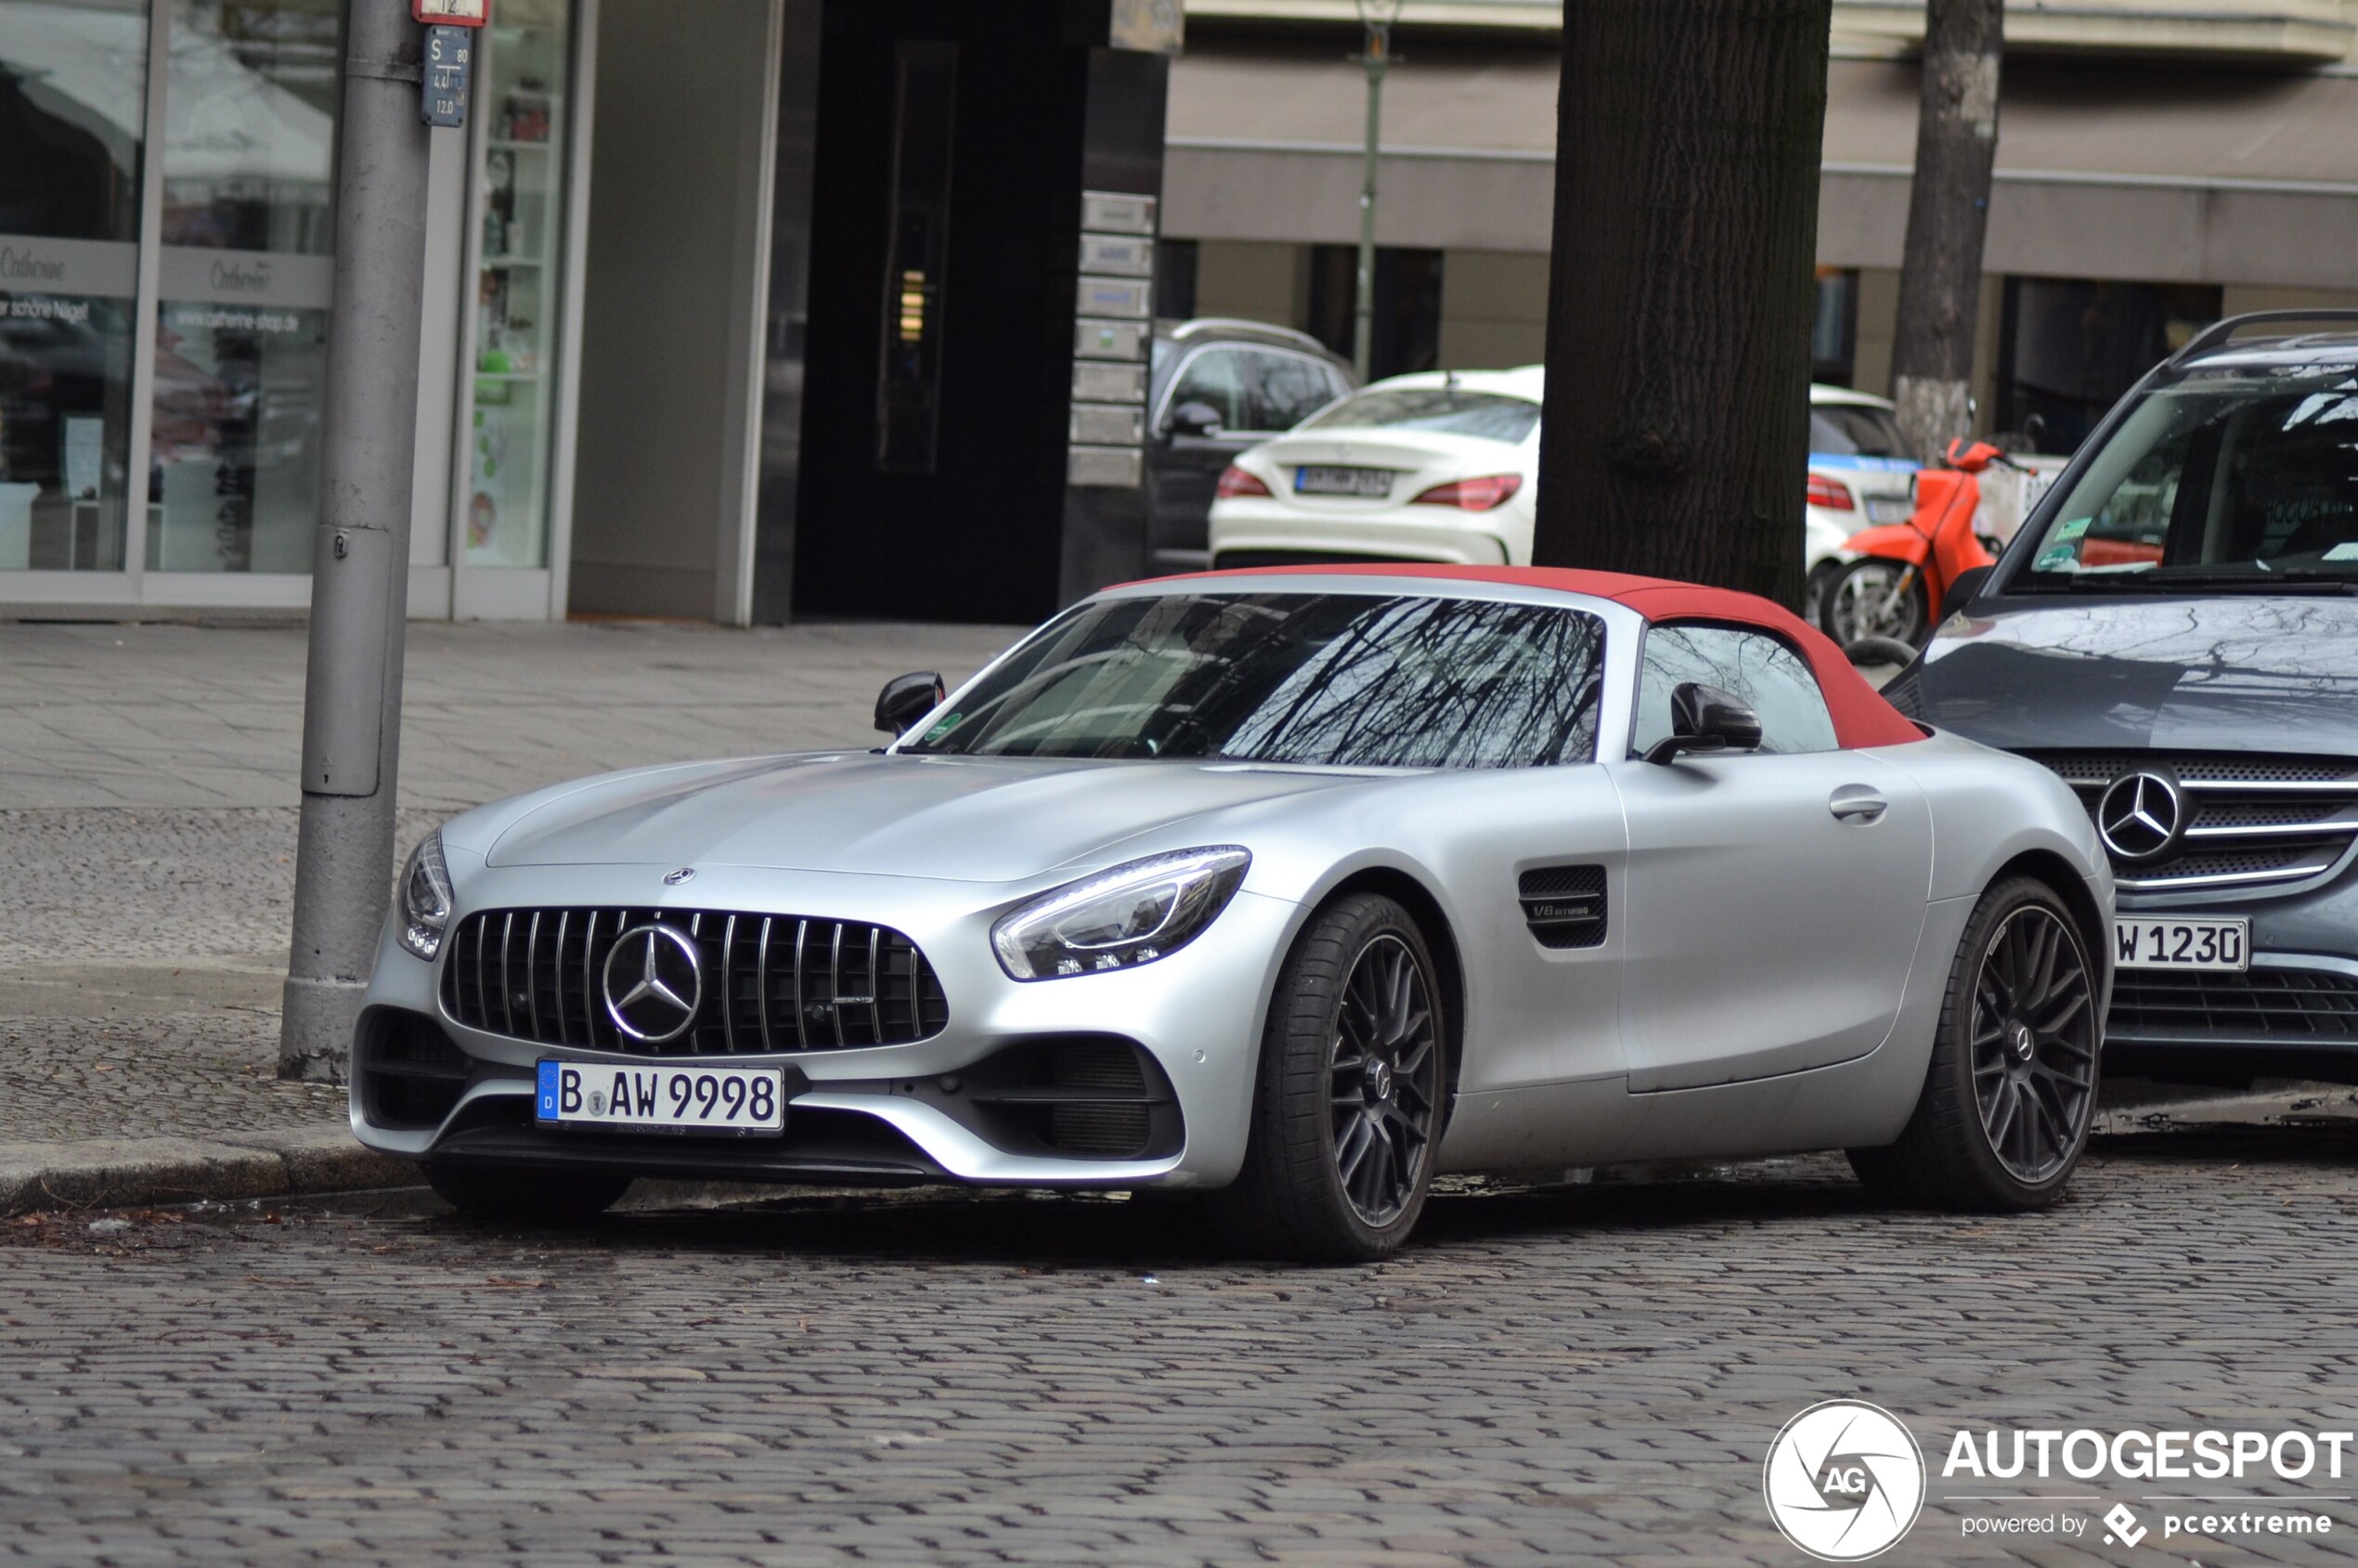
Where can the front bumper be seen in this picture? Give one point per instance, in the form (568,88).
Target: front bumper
(2293,1015)
(870,1113)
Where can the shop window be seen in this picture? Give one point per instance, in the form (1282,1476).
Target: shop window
(2068,349)
(71,140)
(247,276)
(1833,329)
(521,137)
(1407,324)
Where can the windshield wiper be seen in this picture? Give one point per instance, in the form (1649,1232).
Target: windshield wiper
(2299,579)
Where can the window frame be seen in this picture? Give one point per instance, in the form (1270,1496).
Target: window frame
(1637,683)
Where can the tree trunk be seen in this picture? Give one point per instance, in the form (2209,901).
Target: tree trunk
(1948,215)
(1680,293)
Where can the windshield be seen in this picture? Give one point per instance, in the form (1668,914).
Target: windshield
(1349,680)
(1449,409)
(2236,474)
(1854,429)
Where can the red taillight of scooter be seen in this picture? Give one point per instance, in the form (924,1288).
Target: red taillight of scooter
(1831,494)
(1486,494)
(1236,482)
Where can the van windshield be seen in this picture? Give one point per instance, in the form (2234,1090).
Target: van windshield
(2233,476)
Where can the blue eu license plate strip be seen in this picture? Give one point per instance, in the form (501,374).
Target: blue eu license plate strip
(686,1098)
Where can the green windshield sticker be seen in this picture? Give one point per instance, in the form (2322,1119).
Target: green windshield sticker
(2057,558)
(941,729)
(2072,529)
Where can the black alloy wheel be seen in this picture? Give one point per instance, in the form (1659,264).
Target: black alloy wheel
(1350,1100)
(1384,1073)
(2010,1085)
(2034,1043)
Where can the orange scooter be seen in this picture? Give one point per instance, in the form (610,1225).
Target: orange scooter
(1904,570)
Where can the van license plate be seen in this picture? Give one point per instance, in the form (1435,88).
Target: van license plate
(2182,944)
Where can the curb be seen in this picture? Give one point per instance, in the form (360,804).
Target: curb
(126,1173)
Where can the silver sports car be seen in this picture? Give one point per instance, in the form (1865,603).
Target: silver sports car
(1288,889)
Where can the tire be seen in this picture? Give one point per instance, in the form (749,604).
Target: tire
(506,1194)
(1813,592)
(2010,1091)
(1348,1103)
(1859,601)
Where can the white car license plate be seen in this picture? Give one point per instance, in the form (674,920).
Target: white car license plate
(1373,482)
(1889,509)
(679,1099)
(2182,944)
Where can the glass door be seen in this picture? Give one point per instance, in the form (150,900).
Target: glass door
(521,140)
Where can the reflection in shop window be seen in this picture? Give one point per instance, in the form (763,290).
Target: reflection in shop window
(249,224)
(72,106)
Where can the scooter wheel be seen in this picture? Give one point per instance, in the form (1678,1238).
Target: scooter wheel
(1867,599)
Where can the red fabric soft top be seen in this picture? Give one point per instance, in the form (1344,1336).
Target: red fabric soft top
(1861,717)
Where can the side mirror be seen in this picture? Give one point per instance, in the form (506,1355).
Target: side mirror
(1961,592)
(1195,419)
(906,699)
(1706,719)
(2034,430)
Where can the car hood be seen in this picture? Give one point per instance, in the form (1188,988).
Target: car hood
(949,818)
(2219,673)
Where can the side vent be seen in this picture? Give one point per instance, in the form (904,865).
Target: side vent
(1564,905)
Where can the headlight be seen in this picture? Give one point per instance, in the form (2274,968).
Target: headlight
(1121,918)
(425,898)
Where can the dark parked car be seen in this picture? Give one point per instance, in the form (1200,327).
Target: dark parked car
(2174,630)
(1217,387)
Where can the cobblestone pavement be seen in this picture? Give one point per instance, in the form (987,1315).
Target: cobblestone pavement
(148,819)
(1585,1373)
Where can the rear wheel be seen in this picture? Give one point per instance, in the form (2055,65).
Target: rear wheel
(510,1195)
(1348,1103)
(1875,596)
(2010,1091)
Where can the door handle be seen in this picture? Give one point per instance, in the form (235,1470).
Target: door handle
(1857,803)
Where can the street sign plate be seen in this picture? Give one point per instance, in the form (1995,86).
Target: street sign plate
(1116,296)
(1116,212)
(454,13)
(449,61)
(1107,424)
(1118,254)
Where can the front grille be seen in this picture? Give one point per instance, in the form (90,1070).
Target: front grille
(2256,820)
(771,982)
(2264,1004)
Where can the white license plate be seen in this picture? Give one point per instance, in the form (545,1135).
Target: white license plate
(1889,509)
(2182,944)
(1374,482)
(679,1099)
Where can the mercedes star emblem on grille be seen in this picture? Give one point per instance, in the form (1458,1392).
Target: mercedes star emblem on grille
(673,878)
(2142,816)
(653,982)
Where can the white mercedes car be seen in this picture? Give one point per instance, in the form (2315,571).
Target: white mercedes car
(1444,467)
(1289,889)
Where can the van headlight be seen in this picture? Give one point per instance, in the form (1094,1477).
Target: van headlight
(425,898)
(1119,919)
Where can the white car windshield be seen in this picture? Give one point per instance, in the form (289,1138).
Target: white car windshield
(1349,680)
(1449,410)
(2230,476)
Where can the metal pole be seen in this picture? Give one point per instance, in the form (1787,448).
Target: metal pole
(360,565)
(1363,327)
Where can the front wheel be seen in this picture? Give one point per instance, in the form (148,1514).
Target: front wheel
(2010,1091)
(1875,596)
(1348,1103)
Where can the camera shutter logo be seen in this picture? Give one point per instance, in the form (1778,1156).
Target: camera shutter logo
(1844,1481)
(654,983)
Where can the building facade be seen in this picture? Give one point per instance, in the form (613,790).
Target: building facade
(698,271)
(746,309)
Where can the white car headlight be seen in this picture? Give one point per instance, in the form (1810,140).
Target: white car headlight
(1119,919)
(425,898)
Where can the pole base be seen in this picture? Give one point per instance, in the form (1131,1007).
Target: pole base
(315,1027)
